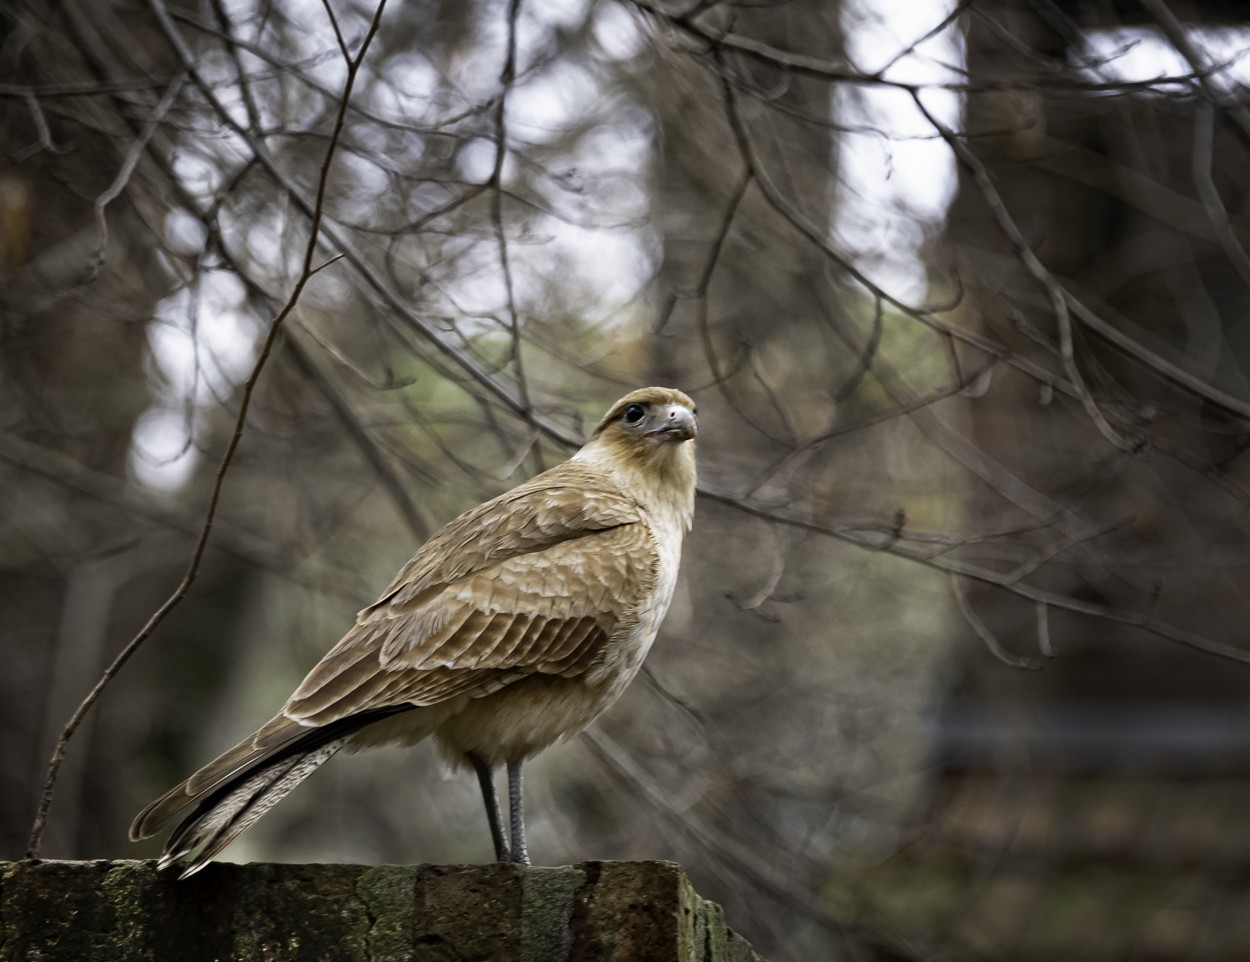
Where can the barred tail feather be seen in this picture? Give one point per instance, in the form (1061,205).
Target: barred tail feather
(231,792)
(230,811)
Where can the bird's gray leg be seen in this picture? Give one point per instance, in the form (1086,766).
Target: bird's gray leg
(493,813)
(520,852)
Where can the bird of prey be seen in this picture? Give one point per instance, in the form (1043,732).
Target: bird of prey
(515,625)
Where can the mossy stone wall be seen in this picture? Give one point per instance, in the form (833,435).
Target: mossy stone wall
(60,911)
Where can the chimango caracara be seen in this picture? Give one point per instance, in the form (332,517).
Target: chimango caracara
(514,626)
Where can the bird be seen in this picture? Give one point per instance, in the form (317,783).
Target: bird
(515,625)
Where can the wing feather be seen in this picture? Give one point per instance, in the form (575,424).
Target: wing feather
(572,657)
(565,502)
(551,608)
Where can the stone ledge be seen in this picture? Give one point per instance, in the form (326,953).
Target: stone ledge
(592,912)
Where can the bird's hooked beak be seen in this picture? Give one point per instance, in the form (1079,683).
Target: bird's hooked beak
(674,422)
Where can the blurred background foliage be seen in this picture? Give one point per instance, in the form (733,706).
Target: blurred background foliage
(957,665)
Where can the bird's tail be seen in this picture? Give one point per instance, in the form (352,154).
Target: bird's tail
(230,811)
(231,792)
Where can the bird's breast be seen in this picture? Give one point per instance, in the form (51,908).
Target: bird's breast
(627,650)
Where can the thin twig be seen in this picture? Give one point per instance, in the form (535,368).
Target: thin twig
(983,630)
(1145,621)
(41,125)
(714,254)
(1043,630)
(506,78)
(133,156)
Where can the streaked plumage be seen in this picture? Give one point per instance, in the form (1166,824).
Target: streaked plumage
(513,626)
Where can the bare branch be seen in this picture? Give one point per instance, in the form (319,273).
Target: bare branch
(1054,291)
(1145,621)
(983,631)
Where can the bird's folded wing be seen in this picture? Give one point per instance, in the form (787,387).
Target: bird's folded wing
(551,612)
(567,502)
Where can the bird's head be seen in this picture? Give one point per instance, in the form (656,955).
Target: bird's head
(647,437)
(649,418)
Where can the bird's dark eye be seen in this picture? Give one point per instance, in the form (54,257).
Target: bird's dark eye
(634,413)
